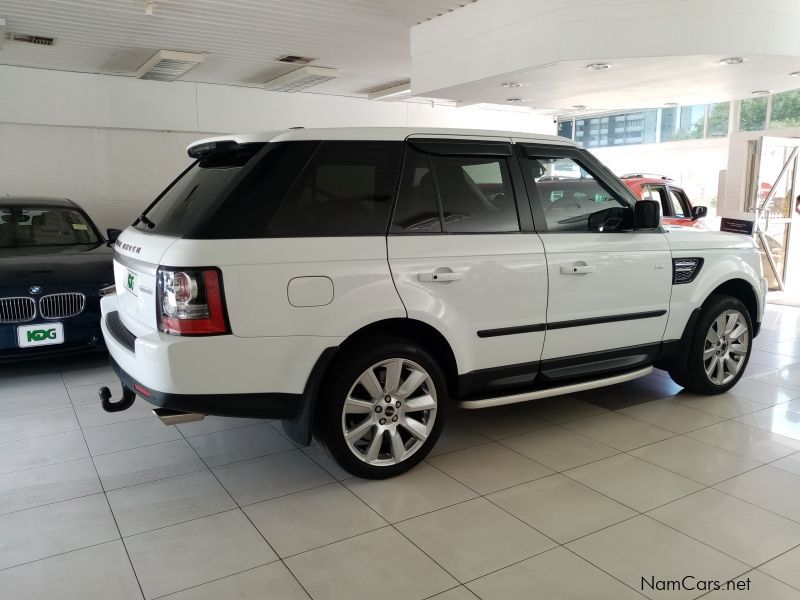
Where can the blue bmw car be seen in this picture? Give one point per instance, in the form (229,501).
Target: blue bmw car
(53,265)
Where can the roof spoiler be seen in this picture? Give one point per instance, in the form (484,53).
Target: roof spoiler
(203,149)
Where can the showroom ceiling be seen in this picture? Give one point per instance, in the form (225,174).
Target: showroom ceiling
(368,40)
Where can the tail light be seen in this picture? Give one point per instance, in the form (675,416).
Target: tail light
(190,302)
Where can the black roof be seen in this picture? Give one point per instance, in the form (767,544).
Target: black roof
(35,201)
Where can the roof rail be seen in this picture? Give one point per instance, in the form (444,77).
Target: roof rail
(645,175)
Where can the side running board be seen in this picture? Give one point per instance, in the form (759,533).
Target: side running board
(555,391)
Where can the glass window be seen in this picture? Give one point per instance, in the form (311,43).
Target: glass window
(417,209)
(754,114)
(346,189)
(476,194)
(719,116)
(677,204)
(27,226)
(785,110)
(659,194)
(683,123)
(572,199)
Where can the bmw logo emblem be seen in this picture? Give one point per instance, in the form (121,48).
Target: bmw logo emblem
(35,289)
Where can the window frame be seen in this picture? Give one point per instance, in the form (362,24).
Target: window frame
(663,194)
(502,150)
(683,199)
(607,180)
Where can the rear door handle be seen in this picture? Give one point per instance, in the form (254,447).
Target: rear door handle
(439,276)
(578,269)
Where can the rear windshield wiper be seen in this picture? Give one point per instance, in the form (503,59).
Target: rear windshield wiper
(143,219)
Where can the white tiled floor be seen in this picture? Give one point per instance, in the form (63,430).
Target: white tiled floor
(575,497)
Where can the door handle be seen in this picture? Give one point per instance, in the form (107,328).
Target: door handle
(439,276)
(578,269)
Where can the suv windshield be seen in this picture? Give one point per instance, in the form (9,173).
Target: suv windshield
(23,227)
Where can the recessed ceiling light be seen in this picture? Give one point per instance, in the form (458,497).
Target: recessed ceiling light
(761,92)
(598,66)
(515,99)
(579,107)
(671,104)
(733,60)
(511,84)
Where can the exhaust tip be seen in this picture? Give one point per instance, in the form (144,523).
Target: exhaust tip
(176,417)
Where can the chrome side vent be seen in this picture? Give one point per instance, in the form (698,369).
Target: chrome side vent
(684,270)
(61,306)
(17,310)
(39,40)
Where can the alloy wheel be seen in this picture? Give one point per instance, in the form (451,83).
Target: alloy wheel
(725,348)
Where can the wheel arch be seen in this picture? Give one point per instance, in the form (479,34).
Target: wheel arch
(742,290)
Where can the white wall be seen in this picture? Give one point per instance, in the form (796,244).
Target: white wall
(112,143)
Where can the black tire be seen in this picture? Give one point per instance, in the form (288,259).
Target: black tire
(692,375)
(344,375)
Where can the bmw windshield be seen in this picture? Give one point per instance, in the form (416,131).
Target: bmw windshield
(32,226)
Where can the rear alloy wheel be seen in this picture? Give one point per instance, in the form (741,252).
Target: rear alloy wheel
(719,350)
(387,414)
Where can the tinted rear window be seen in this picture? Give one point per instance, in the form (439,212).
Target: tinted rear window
(290,189)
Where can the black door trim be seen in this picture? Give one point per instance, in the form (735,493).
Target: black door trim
(609,319)
(485,333)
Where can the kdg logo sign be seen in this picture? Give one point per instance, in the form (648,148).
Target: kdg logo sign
(39,335)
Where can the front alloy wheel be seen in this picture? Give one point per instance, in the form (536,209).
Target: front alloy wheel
(389,412)
(726,345)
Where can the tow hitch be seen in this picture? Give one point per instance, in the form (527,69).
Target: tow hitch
(125,403)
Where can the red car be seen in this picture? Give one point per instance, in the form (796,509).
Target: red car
(676,210)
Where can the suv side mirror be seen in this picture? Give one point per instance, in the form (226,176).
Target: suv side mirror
(112,235)
(646,214)
(699,212)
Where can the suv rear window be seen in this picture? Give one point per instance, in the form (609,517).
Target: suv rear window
(288,189)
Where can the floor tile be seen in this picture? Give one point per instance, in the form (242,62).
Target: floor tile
(618,431)
(37,424)
(87,394)
(789,463)
(752,442)
(271,476)
(457,437)
(725,405)
(788,377)
(46,385)
(673,416)
(232,445)
(209,548)
(557,573)
(790,347)
(127,435)
(784,568)
(559,448)
(770,359)
(773,489)
(561,508)
(489,467)
(148,463)
(272,581)
(737,528)
(310,519)
(695,460)
(44,485)
(783,419)
(505,421)
(764,393)
(566,408)
(75,576)
(640,549)
(422,489)
(756,585)
(380,564)
(633,482)
(458,593)
(213,424)
(81,375)
(25,403)
(41,451)
(148,506)
(474,538)
(93,415)
(55,528)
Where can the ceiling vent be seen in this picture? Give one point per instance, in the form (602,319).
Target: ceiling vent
(301,79)
(294,60)
(39,40)
(396,92)
(168,65)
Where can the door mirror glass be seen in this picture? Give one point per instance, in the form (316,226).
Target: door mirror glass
(646,215)
(112,235)
(699,212)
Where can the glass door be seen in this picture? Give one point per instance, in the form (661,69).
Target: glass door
(772,191)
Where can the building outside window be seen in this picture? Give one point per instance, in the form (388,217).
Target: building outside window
(754,114)
(719,116)
(785,110)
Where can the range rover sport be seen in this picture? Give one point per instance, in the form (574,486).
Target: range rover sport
(352,282)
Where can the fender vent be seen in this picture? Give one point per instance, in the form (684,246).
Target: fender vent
(684,270)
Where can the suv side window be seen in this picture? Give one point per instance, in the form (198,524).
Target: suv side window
(455,194)
(659,194)
(678,208)
(572,200)
(345,189)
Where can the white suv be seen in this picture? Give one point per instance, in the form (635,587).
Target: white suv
(352,282)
